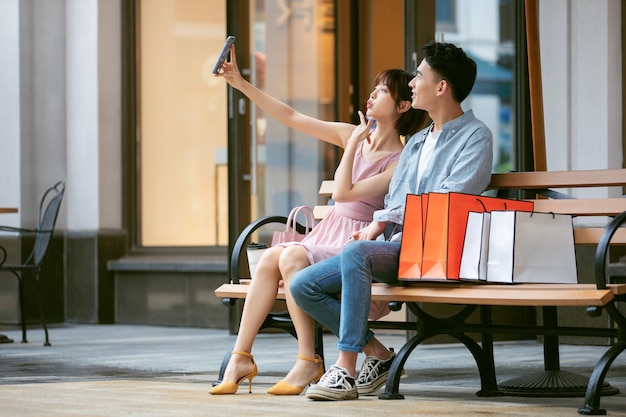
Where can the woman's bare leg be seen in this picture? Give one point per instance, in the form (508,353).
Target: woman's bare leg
(292,260)
(259,302)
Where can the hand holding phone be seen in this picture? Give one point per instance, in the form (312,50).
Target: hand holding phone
(224,54)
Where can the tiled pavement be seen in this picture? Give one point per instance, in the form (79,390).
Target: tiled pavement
(118,370)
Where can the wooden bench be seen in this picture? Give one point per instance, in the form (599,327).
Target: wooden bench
(551,192)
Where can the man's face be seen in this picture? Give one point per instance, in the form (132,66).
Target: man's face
(424,87)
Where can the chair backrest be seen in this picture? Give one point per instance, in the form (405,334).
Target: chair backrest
(47,217)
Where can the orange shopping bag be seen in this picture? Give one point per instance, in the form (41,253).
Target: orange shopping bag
(410,262)
(444,229)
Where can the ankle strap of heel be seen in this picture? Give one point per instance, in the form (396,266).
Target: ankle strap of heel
(316,359)
(238,352)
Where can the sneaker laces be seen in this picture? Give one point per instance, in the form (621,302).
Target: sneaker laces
(336,376)
(369,370)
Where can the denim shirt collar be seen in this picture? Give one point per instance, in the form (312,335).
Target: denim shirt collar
(451,126)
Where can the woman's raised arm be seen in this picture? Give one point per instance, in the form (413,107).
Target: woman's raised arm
(336,133)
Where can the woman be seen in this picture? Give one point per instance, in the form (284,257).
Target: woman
(361,182)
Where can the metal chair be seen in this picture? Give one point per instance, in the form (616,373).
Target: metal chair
(46,220)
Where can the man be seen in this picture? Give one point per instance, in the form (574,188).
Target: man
(453,154)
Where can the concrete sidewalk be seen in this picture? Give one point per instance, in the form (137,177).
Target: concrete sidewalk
(114,370)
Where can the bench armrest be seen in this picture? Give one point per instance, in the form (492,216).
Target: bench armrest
(242,240)
(602,250)
(601,259)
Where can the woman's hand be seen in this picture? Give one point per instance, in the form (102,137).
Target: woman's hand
(362,131)
(230,70)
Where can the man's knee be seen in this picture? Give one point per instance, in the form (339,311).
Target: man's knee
(354,248)
(356,252)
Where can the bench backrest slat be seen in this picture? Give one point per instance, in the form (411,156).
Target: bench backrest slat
(559,179)
(582,207)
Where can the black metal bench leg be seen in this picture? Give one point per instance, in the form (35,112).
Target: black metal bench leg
(596,381)
(486,368)
(488,381)
(392,386)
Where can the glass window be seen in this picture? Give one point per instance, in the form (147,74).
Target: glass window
(486,34)
(445,11)
(293,46)
(182,124)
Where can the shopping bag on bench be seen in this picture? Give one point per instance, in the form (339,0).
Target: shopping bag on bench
(531,247)
(412,245)
(444,229)
(475,247)
(290,234)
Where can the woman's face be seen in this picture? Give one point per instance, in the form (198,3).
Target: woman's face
(381,105)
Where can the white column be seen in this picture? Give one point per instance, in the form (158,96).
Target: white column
(93,114)
(81,62)
(596,84)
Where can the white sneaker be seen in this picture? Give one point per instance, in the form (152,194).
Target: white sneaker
(336,384)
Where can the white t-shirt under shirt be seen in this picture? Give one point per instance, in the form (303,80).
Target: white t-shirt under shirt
(427,152)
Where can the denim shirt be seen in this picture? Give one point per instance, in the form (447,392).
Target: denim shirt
(461,162)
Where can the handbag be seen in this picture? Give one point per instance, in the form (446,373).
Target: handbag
(290,234)
(531,247)
(444,230)
(475,247)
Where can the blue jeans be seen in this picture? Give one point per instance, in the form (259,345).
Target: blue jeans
(315,289)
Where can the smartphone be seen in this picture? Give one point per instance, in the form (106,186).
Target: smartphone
(224,54)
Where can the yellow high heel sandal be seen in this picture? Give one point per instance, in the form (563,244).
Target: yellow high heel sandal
(282,388)
(227,387)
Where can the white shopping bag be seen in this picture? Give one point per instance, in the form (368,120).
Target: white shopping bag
(531,247)
(475,247)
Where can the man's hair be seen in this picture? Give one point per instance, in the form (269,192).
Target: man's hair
(397,80)
(453,65)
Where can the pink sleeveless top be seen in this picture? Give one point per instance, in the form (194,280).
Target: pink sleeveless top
(330,235)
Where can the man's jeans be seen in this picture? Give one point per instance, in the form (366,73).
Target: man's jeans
(316,288)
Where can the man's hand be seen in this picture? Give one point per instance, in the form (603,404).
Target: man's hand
(371,232)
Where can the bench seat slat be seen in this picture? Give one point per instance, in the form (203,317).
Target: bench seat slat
(504,295)
(476,294)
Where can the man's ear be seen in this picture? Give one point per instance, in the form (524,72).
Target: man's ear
(442,86)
